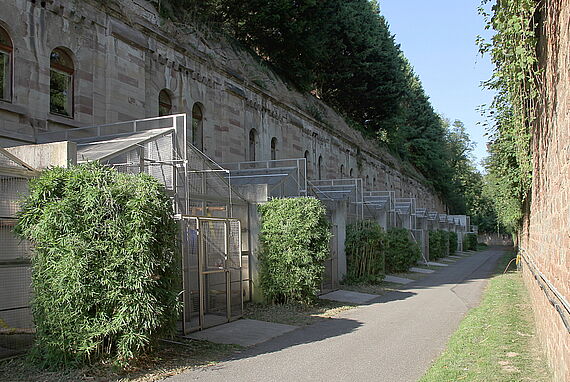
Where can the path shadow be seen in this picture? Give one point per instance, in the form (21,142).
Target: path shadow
(480,265)
(316,332)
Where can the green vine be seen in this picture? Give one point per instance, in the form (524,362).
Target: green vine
(514,109)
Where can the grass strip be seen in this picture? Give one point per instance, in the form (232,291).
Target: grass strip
(496,341)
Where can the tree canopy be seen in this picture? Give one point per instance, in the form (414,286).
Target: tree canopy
(342,51)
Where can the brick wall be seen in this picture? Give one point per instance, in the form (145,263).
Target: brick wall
(546,233)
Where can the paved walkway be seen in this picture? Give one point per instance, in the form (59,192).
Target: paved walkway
(394,339)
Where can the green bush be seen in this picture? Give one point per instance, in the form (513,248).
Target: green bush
(365,252)
(294,243)
(470,242)
(438,242)
(105,267)
(452,243)
(401,251)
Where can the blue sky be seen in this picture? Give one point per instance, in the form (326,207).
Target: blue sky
(438,38)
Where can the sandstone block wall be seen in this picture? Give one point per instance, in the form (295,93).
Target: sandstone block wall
(546,234)
(124,55)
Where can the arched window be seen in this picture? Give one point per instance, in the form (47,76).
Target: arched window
(351,173)
(197,126)
(373,182)
(6,49)
(273,148)
(164,103)
(307,157)
(367,184)
(252,142)
(342,171)
(61,83)
(320,167)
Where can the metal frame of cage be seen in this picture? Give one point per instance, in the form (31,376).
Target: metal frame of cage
(405,209)
(380,202)
(284,177)
(332,190)
(215,262)
(421,231)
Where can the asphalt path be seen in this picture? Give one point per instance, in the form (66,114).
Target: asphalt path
(393,339)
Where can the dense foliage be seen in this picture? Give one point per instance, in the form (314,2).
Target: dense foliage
(438,244)
(364,247)
(401,251)
(470,242)
(294,243)
(342,51)
(513,52)
(452,242)
(105,269)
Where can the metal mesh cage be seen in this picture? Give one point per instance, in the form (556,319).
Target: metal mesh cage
(198,187)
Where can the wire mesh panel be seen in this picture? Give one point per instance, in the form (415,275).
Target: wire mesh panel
(16,326)
(420,237)
(283,177)
(191,273)
(330,191)
(380,205)
(209,191)
(113,130)
(213,282)
(234,266)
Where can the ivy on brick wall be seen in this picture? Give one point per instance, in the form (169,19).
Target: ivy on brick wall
(514,109)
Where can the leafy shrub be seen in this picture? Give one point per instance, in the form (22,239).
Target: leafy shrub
(364,247)
(438,242)
(105,268)
(401,251)
(452,242)
(470,242)
(294,243)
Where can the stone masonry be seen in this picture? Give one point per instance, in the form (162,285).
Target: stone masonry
(124,55)
(546,234)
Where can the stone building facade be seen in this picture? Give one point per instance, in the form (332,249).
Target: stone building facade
(72,64)
(545,238)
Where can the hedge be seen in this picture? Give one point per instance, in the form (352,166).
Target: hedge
(438,244)
(452,242)
(294,243)
(470,242)
(105,266)
(401,251)
(365,252)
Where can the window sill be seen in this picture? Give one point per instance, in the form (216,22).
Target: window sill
(61,120)
(9,106)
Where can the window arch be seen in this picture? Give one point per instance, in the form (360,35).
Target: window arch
(252,143)
(320,167)
(307,157)
(273,148)
(198,126)
(61,83)
(351,173)
(6,49)
(342,171)
(164,103)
